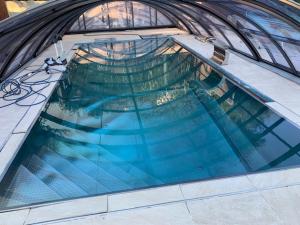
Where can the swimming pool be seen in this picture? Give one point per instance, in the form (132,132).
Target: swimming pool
(138,114)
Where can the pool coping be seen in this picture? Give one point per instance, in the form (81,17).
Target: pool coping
(183,192)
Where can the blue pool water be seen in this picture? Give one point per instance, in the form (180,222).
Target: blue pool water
(139,114)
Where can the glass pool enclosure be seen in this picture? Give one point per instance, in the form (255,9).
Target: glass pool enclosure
(138,114)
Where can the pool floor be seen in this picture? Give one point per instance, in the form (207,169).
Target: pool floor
(146,113)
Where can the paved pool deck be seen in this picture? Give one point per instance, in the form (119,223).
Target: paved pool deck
(260,199)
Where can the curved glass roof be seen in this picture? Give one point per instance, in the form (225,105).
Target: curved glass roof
(266,31)
(120,14)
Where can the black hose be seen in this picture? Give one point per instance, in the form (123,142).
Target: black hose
(18,89)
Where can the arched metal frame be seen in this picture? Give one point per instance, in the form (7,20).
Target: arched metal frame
(84,26)
(218,8)
(26,35)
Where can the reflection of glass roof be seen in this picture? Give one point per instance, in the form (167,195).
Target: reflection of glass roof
(266,31)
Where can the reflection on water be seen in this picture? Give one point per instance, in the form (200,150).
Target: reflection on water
(144,113)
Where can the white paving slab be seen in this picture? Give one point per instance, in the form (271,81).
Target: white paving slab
(276,178)
(171,214)
(217,187)
(244,209)
(204,49)
(79,207)
(33,112)
(14,217)
(285,202)
(144,198)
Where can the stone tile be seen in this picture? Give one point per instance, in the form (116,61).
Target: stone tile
(204,49)
(90,220)
(216,187)
(9,118)
(28,120)
(48,91)
(243,209)
(69,209)
(285,202)
(9,152)
(144,198)
(276,178)
(170,214)
(34,111)
(14,217)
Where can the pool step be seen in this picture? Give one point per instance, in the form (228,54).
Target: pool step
(90,167)
(54,179)
(71,133)
(83,180)
(111,182)
(27,188)
(131,176)
(115,165)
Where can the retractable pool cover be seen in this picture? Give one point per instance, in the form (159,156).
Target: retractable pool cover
(266,31)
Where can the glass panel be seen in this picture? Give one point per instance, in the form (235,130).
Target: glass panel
(96,18)
(218,28)
(161,19)
(17,7)
(293,51)
(264,46)
(289,10)
(6,52)
(117,14)
(17,61)
(284,33)
(78,25)
(273,25)
(141,15)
